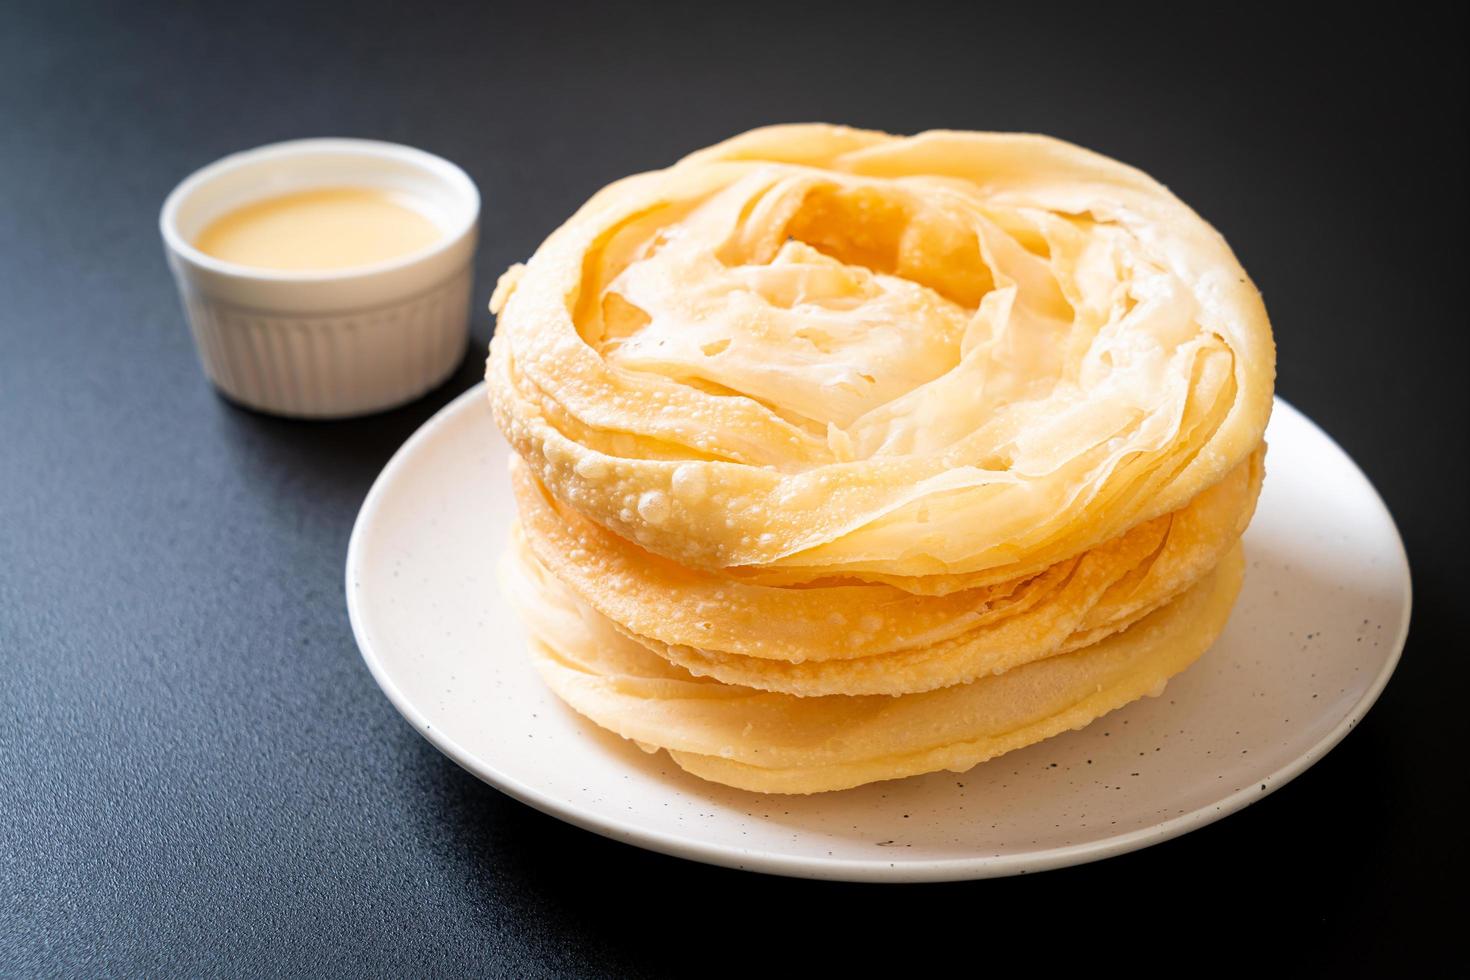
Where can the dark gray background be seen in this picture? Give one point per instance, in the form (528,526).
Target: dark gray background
(197,775)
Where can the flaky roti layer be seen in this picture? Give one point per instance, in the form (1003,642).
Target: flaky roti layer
(815,351)
(778,743)
(877,639)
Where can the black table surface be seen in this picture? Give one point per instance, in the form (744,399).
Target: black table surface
(197,773)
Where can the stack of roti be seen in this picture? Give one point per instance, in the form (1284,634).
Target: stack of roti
(845,457)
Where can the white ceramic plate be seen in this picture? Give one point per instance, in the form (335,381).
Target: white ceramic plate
(1311,643)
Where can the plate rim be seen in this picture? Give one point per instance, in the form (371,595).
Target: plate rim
(840,869)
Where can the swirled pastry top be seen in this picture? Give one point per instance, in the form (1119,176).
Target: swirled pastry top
(832,352)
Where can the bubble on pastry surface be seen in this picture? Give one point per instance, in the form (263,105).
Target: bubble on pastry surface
(653,506)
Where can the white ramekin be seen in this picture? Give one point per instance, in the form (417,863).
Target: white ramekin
(326,344)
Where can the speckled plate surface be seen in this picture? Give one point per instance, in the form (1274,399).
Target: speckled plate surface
(1312,642)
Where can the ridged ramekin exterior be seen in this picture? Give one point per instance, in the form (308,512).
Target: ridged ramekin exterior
(336,342)
(335,364)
